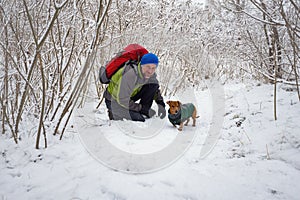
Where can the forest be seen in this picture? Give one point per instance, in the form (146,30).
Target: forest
(51,51)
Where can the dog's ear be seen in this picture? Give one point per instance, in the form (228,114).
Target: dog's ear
(179,103)
(168,102)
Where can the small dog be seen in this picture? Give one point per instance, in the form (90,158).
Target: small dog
(179,113)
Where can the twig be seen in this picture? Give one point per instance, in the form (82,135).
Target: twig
(268,155)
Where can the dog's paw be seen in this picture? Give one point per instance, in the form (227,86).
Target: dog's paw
(180,129)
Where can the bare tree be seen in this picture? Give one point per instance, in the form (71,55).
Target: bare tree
(275,57)
(47,53)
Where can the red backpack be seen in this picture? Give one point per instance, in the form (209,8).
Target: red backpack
(133,52)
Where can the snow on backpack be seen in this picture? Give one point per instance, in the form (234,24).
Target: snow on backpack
(133,52)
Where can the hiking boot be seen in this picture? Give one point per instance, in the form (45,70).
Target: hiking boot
(149,113)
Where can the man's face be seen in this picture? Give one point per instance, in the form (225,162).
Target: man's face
(148,70)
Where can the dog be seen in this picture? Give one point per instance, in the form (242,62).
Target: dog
(179,113)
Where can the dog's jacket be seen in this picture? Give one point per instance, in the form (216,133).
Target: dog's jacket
(183,114)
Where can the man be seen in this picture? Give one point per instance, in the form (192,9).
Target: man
(133,82)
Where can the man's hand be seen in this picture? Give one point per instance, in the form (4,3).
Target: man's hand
(161,111)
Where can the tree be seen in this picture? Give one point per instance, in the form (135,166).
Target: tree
(47,48)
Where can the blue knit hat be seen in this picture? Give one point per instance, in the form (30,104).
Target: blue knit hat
(149,58)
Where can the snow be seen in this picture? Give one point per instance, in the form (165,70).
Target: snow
(251,157)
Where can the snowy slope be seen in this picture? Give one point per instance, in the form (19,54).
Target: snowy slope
(251,157)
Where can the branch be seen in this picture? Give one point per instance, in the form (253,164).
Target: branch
(271,22)
(39,44)
(30,23)
(295,5)
(50,25)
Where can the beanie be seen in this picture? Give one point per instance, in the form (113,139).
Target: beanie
(149,58)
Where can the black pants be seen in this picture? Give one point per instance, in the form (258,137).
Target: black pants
(145,95)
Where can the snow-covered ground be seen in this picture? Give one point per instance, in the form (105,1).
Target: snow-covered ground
(251,157)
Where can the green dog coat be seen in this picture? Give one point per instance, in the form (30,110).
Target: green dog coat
(185,112)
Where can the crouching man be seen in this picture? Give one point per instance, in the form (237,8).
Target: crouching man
(133,82)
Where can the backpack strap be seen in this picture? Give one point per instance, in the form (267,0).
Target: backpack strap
(135,66)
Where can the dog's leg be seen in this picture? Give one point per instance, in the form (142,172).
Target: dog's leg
(187,121)
(181,126)
(194,116)
(194,121)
